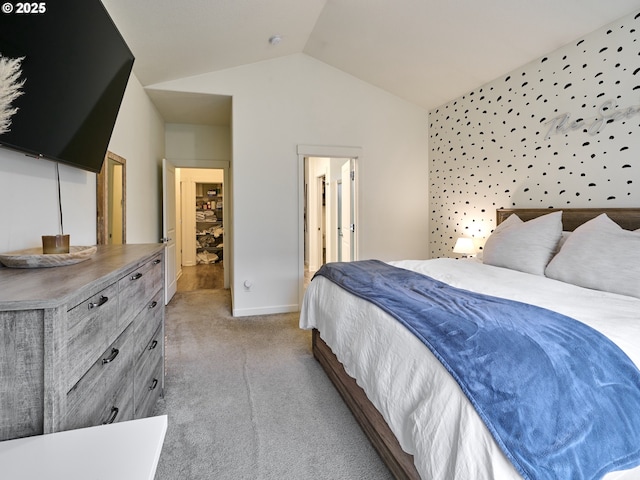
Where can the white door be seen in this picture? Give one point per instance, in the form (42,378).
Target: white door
(347,224)
(320,220)
(169,228)
(339,219)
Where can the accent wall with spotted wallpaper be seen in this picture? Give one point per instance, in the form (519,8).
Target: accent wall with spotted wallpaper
(562,131)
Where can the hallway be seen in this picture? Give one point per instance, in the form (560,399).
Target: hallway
(201,277)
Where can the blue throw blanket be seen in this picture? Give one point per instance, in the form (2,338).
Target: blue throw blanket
(561,400)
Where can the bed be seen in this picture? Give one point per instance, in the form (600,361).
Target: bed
(419,419)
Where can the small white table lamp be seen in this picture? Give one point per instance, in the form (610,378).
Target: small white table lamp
(464,246)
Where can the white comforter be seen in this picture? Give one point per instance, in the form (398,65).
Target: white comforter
(424,407)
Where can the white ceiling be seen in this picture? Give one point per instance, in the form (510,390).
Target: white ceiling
(425,51)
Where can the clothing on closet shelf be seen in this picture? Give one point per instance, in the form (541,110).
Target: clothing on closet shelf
(207,257)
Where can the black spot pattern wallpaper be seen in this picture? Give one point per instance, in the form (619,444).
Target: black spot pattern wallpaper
(562,131)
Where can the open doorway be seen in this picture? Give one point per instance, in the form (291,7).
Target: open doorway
(315,161)
(202,193)
(111,201)
(330,211)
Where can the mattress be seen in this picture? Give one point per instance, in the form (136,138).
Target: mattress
(422,404)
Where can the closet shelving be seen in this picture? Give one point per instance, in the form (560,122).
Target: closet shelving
(209,223)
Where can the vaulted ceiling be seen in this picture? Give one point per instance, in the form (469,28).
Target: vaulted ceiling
(425,51)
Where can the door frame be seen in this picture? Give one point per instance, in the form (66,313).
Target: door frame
(329,151)
(227,208)
(103,208)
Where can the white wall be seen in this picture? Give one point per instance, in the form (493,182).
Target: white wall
(138,136)
(281,103)
(199,175)
(29,202)
(197,145)
(490,148)
(28,191)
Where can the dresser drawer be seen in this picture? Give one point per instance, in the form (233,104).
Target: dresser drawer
(91,326)
(105,393)
(147,322)
(149,380)
(21,374)
(138,287)
(148,392)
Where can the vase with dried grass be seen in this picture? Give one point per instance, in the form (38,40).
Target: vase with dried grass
(10,89)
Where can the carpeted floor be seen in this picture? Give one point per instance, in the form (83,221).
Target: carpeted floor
(246,400)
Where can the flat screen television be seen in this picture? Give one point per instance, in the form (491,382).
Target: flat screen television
(75,69)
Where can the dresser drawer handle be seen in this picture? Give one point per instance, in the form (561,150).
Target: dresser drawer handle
(112,416)
(153,345)
(156,261)
(153,305)
(111,357)
(154,384)
(99,303)
(135,276)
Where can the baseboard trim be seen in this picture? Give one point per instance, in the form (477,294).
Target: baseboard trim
(248,312)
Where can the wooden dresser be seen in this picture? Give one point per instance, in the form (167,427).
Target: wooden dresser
(82,345)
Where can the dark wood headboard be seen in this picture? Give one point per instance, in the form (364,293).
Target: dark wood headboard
(572,218)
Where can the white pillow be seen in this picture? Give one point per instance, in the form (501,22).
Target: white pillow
(524,246)
(563,238)
(601,255)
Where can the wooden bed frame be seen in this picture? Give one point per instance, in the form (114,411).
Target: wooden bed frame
(373,424)
(572,218)
(399,462)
